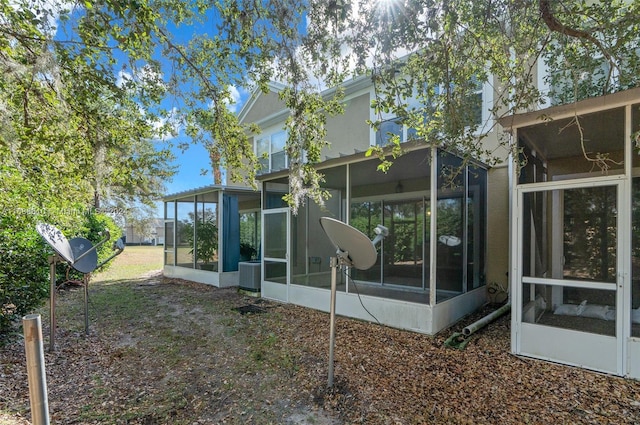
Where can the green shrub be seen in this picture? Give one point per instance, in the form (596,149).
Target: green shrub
(24,266)
(24,275)
(94,227)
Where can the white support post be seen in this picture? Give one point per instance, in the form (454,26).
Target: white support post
(52,303)
(332,314)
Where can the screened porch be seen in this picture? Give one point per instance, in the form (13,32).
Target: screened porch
(419,282)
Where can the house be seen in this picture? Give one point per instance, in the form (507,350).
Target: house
(558,226)
(151,234)
(432,269)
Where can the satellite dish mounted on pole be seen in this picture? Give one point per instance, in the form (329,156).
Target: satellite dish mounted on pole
(80,254)
(353,249)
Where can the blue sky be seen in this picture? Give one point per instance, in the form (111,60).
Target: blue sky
(192,161)
(190,164)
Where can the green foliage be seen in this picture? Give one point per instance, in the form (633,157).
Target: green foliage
(95,228)
(71,138)
(24,269)
(206,236)
(426,59)
(594,52)
(27,199)
(206,240)
(66,117)
(24,276)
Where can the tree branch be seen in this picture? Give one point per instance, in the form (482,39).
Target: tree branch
(555,25)
(213,91)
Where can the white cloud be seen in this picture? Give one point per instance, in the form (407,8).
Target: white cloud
(169,127)
(47,12)
(236,97)
(123,77)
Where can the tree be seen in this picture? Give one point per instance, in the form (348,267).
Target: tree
(69,137)
(85,87)
(435,51)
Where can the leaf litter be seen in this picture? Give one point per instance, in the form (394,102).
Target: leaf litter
(168,351)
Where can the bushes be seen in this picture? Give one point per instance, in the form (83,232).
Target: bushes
(93,229)
(24,275)
(24,266)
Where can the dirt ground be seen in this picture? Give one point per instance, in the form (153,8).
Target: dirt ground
(166,351)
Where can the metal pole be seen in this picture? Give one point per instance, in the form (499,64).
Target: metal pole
(332,313)
(52,304)
(35,369)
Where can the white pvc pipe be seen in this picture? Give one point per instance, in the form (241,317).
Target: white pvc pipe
(475,326)
(35,369)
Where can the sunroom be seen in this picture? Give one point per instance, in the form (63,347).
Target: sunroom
(419,282)
(574,272)
(209,231)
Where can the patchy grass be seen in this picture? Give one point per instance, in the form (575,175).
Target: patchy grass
(166,351)
(160,351)
(132,263)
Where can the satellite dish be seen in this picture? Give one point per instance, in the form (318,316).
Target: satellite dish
(82,255)
(88,262)
(360,250)
(353,248)
(56,240)
(119,244)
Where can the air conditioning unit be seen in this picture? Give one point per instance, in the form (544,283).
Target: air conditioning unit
(249,276)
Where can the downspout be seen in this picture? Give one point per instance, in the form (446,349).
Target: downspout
(479,324)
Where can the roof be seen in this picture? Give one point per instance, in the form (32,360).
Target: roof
(209,188)
(593,104)
(357,155)
(350,86)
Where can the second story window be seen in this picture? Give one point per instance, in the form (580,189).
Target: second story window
(474,104)
(473,112)
(388,129)
(270,151)
(391,126)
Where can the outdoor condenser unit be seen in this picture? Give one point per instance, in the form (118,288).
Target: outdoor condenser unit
(249,276)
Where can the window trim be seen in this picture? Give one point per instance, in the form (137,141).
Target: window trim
(485,91)
(269,135)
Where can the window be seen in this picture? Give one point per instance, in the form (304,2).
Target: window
(567,85)
(169,224)
(270,150)
(205,245)
(474,100)
(387,130)
(184,228)
(249,235)
(391,126)
(473,111)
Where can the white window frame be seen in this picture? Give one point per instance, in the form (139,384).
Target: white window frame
(269,135)
(487,95)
